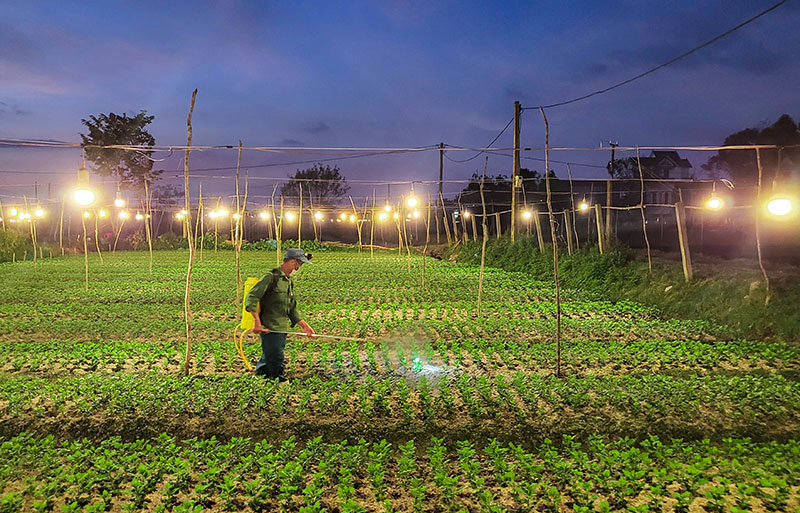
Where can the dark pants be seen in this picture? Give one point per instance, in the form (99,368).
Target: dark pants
(270,365)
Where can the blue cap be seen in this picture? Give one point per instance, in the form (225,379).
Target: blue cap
(297,254)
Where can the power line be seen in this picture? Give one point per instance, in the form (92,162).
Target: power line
(671,61)
(482,151)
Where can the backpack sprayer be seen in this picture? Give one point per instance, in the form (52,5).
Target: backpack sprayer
(246,325)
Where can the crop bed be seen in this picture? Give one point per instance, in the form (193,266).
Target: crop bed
(437,409)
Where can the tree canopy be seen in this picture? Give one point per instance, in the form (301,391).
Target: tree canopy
(128,167)
(324,185)
(741,165)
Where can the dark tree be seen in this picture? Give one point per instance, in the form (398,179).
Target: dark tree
(325,185)
(128,167)
(628,187)
(741,165)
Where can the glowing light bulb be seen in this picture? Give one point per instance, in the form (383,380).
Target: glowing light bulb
(264,215)
(415,213)
(342,216)
(387,208)
(352,218)
(318,216)
(466,214)
(222,212)
(583,206)
(382,216)
(101,213)
(290,216)
(412,202)
(236,216)
(86,214)
(714,203)
(779,207)
(124,214)
(139,216)
(84,197)
(396,215)
(39,212)
(527,215)
(179,216)
(13,212)
(119,202)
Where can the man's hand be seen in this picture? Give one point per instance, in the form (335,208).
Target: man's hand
(257,326)
(309,331)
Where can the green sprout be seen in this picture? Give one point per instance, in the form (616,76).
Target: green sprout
(417,364)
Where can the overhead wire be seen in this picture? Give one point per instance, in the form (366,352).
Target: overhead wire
(669,62)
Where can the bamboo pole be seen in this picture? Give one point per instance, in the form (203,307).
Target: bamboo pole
(444,217)
(216,227)
(474,227)
(572,202)
(358,225)
(300,217)
(3,219)
(537,222)
(553,236)
(32,229)
(200,219)
(313,217)
(485,237)
(405,233)
(427,237)
(568,230)
(279,233)
(599,218)
(147,220)
(85,255)
(372,229)
(758,228)
(97,235)
(189,231)
(456,236)
(237,245)
(498,227)
(683,239)
(641,209)
(60,225)
(119,232)
(464,228)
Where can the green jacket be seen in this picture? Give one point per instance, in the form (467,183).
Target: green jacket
(278,307)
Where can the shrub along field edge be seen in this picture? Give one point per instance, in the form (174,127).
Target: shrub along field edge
(734,298)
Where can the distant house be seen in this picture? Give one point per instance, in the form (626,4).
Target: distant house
(666,165)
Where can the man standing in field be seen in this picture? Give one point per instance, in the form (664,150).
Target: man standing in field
(275,292)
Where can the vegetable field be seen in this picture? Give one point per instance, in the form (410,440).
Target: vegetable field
(434,408)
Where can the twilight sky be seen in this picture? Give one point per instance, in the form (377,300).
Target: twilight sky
(386,74)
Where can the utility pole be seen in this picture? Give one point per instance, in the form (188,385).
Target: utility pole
(36,190)
(441,166)
(515,174)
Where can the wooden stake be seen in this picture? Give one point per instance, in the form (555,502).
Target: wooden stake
(358,225)
(60,225)
(474,227)
(553,237)
(683,239)
(85,255)
(641,209)
(455,229)
(3,219)
(300,217)
(372,230)
(427,238)
(446,223)
(485,237)
(279,232)
(237,235)
(758,228)
(498,227)
(568,230)
(599,218)
(188,294)
(537,222)
(147,226)
(32,229)
(572,201)
(313,217)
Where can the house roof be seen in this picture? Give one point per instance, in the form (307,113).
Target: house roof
(659,155)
